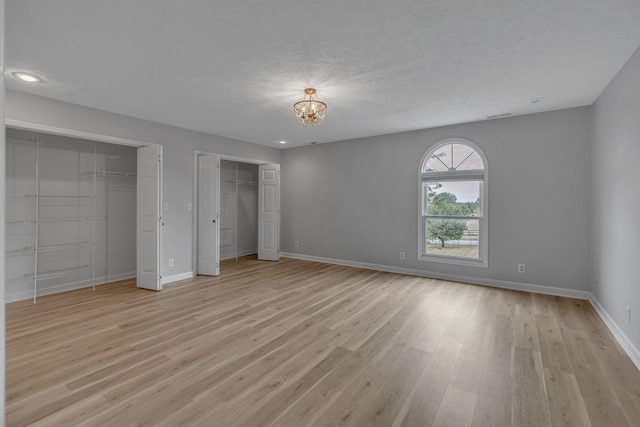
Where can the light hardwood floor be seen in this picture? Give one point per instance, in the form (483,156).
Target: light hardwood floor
(297,343)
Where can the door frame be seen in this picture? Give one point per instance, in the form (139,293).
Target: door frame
(98,137)
(194,207)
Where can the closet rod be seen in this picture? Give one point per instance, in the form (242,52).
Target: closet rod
(48,248)
(114,174)
(60,273)
(56,196)
(67,219)
(21,221)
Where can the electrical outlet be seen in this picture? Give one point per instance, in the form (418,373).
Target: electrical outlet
(628,314)
(189,206)
(520,268)
(401,255)
(166,206)
(170,262)
(296,244)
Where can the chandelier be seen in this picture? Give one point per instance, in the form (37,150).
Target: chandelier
(310,110)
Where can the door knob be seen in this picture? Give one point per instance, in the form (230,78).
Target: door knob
(214,220)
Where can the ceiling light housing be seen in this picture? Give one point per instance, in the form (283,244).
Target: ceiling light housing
(27,77)
(310,109)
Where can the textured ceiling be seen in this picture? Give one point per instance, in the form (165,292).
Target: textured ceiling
(234,68)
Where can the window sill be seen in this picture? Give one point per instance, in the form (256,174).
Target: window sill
(454,260)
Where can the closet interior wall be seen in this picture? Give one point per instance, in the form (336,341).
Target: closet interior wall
(70,212)
(238,209)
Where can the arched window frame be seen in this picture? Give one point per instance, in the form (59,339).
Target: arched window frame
(455,175)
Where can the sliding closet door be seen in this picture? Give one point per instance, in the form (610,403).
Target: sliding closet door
(149,217)
(208,215)
(269,212)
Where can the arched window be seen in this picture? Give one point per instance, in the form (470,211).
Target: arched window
(453,204)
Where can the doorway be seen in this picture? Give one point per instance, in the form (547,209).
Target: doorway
(81,211)
(237,210)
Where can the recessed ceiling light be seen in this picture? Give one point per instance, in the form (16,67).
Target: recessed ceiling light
(534,100)
(283,142)
(27,77)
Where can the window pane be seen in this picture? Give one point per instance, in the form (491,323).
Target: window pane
(452,237)
(456,198)
(453,157)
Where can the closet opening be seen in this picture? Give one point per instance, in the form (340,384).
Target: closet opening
(237,211)
(75,213)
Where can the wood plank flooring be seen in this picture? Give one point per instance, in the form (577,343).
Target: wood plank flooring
(297,343)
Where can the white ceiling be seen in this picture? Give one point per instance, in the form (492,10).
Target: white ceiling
(235,67)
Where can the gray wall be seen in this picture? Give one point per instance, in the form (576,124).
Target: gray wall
(178,151)
(2,201)
(615,242)
(357,200)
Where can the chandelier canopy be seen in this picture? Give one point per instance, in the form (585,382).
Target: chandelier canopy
(310,109)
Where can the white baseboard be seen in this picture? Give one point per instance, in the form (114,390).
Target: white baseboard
(177,277)
(625,342)
(19,296)
(539,289)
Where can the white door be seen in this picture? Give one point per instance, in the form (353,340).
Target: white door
(149,217)
(269,213)
(208,215)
